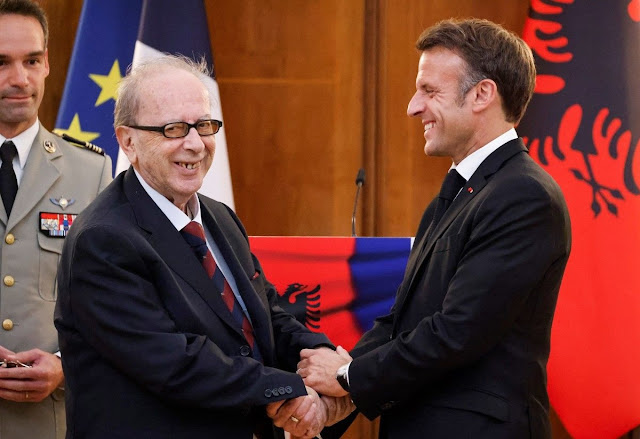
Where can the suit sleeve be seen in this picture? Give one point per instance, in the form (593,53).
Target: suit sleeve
(516,239)
(116,307)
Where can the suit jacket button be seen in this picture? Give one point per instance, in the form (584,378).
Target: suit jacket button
(275,392)
(10,239)
(267,393)
(7,325)
(9,281)
(288,389)
(281,390)
(245,350)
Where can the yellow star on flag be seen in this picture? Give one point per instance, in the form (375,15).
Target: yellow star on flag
(108,83)
(75,131)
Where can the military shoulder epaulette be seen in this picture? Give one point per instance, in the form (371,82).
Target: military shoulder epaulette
(83,144)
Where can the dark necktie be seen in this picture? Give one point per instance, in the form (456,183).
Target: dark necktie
(8,181)
(193,233)
(451,185)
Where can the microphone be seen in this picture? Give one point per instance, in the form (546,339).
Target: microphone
(359,182)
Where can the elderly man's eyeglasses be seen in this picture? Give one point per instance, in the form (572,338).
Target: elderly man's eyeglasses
(174,130)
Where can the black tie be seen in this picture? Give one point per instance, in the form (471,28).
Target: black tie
(450,188)
(8,181)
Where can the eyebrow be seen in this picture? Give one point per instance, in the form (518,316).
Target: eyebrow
(29,55)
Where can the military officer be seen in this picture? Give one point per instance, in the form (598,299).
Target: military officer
(44,183)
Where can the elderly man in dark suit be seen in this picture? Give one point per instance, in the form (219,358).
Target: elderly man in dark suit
(463,351)
(168,327)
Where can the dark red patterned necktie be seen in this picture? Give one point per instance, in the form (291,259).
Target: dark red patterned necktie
(193,233)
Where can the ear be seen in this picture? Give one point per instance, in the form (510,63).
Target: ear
(485,93)
(46,62)
(127,141)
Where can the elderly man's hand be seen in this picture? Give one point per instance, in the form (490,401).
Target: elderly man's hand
(318,368)
(304,417)
(337,408)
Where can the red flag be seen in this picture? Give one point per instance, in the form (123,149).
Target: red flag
(583,127)
(335,285)
(316,270)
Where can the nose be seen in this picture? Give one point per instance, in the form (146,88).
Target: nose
(415,106)
(19,76)
(193,141)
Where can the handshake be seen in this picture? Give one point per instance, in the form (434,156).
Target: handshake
(326,402)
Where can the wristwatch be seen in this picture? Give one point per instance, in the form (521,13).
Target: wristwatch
(342,377)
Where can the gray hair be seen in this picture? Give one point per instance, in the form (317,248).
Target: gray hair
(128,101)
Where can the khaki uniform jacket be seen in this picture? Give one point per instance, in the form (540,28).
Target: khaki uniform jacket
(28,264)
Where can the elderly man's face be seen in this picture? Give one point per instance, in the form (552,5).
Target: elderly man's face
(173,167)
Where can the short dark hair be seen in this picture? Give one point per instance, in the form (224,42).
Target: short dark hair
(490,52)
(27,8)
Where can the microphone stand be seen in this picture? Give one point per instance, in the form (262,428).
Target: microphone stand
(359,182)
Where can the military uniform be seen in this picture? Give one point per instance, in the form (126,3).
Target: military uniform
(59,180)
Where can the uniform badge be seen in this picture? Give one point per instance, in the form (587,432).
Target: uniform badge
(49,146)
(56,225)
(62,202)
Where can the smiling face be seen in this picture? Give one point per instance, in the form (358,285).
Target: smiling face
(173,167)
(446,115)
(24,65)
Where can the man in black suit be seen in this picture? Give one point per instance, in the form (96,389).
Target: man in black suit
(167,325)
(463,351)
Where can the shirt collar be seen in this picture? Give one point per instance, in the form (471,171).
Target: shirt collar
(23,142)
(177,217)
(469,164)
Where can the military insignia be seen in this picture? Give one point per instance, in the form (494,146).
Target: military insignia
(49,146)
(56,225)
(303,304)
(62,202)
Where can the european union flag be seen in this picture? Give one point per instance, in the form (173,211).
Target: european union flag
(103,49)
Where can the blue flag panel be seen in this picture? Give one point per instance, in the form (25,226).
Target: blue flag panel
(102,52)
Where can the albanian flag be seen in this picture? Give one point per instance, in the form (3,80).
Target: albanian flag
(583,127)
(334,285)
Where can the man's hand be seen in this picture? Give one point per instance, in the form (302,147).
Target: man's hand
(337,408)
(30,384)
(303,417)
(318,368)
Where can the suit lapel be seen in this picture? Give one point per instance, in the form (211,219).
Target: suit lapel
(259,317)
(40,173)
(172,248)
(471,189)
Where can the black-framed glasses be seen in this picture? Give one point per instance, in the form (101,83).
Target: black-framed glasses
(175,130)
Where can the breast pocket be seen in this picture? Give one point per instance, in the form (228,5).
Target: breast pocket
(50,250)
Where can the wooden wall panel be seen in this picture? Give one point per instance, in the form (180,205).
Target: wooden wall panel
(290,77)
(63,16)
